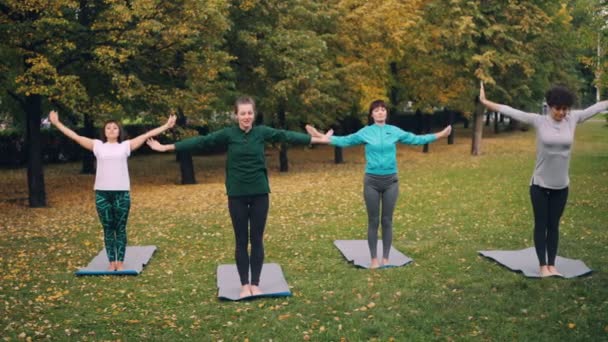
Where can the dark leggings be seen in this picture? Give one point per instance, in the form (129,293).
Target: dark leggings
(548,206)
(246,212)
(113,210)
(376,190)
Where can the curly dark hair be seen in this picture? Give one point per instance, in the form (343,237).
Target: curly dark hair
(559,96)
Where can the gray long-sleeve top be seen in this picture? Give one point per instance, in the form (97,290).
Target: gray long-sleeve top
(554,141)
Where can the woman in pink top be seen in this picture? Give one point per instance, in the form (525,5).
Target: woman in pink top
(112,197)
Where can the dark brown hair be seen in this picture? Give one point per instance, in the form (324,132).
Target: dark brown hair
(375,104)
(120,131)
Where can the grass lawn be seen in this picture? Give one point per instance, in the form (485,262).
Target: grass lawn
(451,205)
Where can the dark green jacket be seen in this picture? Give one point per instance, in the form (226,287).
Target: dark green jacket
(246,172)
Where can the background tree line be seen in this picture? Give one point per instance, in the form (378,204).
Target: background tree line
(314,61)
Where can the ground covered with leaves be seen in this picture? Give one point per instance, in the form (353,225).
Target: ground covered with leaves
(451,205)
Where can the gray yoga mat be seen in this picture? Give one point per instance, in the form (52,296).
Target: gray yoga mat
(357,252)
(525,261)
(136,257)
(272,282)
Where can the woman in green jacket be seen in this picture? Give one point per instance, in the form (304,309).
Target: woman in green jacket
(246,182)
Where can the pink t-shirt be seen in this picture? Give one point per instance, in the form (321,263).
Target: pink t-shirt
(112,169)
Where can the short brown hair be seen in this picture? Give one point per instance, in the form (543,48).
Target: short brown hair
(243,100)
(375,104)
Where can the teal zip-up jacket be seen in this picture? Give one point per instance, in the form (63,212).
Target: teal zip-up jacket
(381,145)
(246,172)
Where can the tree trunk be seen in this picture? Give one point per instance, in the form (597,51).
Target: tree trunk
(35,172)
(451,136)
(88,159)
(496,122)
(427,130)
(186,164)
(186,167)
(477,129)
(338,151)
(338,155)
(283,160)
(488,117)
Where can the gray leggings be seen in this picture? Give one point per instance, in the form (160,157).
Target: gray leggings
(378,189)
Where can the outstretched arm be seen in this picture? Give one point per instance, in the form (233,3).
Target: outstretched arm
(82,141)
(194,143)
(493,106)
(413,139)
(590,112)
(139,140)
(156,146)
(504,109)
(349,140)
(318,137)
(444,133)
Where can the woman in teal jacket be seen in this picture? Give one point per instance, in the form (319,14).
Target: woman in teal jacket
(381,184)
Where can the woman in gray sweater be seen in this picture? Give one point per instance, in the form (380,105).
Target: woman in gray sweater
(549,183)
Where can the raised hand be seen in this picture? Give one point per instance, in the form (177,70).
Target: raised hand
(493,106)
(155,145)
(446,131)
(313,131)
(482,92)
(53,117)
(171,121)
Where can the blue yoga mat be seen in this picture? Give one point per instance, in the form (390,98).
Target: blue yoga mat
(136,257)
(357,252)
(526,262)
(272,282)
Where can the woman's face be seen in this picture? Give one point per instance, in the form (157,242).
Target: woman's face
(112,131)
(245,116)
(379,115)
(558,113)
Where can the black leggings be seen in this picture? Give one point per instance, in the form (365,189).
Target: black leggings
(548,206)
(245,212)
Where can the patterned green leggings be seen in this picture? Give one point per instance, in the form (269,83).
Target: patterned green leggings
(113,209)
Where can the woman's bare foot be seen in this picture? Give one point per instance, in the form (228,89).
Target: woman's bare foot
(384,261)
(255,290)
(245,291)
(375,263)
(120,266)
(554,271)
(544,271)
(112,266)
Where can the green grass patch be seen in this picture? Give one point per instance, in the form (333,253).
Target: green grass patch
(451,205)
